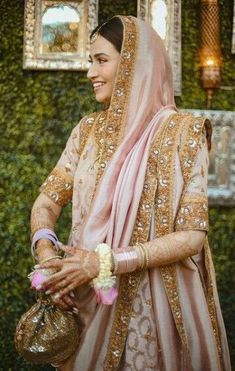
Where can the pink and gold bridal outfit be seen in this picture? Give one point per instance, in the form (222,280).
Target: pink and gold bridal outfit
(135,172)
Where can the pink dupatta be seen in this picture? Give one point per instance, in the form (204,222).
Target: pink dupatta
(148,101)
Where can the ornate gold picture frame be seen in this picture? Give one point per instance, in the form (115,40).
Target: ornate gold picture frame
(165,17)
(56,34)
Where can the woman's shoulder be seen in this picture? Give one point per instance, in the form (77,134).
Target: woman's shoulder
(190,120)
(193,127)
(86,121)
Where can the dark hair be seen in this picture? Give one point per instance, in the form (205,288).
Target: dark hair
(112,30)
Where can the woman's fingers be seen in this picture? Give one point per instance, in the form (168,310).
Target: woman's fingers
(56,286)
(56,277)
(64,292)
(68,249)
(67,300)
(61,302)
(55,263)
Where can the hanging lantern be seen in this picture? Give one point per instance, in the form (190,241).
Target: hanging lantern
(210,52)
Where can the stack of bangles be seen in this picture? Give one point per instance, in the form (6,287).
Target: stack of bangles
(44,233)
(113,263)
(129,261)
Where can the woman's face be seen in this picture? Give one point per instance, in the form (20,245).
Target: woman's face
(104,59)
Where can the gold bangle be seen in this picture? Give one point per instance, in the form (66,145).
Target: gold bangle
(138,246)
(50,258)
(145,255)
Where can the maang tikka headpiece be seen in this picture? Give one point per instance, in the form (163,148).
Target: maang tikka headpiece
(96,34)
(94,37)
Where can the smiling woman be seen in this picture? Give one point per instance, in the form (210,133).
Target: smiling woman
(104,59)
(137,266)
(105,51)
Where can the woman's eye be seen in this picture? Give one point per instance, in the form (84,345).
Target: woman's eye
(89,60)
(101,61)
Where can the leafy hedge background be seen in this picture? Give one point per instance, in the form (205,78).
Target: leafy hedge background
(37,112)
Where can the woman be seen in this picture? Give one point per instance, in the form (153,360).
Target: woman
(136,173)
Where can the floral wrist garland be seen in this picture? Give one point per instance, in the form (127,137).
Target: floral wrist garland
(104,284)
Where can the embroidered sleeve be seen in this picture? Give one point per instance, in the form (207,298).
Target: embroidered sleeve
(193,208)
(59,184)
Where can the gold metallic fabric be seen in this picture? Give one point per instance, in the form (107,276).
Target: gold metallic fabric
(46,333)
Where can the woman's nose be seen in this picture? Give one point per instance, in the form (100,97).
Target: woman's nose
(92,72)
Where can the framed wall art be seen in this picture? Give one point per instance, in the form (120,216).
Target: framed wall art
(56,33)
(221,179)
(165,17)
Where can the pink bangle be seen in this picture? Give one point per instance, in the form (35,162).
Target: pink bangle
(47,234)
(125,262)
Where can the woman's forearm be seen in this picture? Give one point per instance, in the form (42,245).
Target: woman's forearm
(174,247)
(164,250)
(44,215)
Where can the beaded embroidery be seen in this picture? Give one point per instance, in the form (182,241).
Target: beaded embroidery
(193,213)
(211,301)
(58,186)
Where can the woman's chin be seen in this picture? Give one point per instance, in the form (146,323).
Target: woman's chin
(104,100)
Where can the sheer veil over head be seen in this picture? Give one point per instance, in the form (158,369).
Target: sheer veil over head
(142,98)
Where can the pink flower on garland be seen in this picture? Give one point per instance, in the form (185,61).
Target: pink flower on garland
(106,296)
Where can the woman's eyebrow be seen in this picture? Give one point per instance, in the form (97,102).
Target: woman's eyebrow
(97,55)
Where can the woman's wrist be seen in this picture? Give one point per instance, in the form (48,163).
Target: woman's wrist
(130,259)
(125,261)
(45,249)
(44,237)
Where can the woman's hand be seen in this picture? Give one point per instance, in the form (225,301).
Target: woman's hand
(74,271)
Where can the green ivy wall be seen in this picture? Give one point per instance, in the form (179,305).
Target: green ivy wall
(37,112)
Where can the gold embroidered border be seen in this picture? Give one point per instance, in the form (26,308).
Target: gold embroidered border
(193,128)
(193,214)
(58,186)
(109,128)
(164,222)
(129,283)
(211,302)
(85,127)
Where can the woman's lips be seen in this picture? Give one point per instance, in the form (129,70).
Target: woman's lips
(97,85)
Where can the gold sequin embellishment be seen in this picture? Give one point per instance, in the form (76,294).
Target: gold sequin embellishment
(58,186)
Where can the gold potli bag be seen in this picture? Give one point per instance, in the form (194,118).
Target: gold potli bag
(47,333)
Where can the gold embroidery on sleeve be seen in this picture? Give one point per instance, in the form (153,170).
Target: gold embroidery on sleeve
(193,213)
(58,186)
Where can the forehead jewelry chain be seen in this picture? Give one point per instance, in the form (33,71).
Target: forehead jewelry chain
(96,34)
(94,37)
